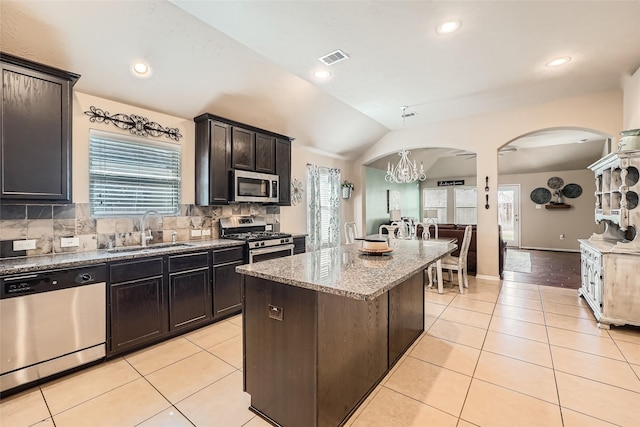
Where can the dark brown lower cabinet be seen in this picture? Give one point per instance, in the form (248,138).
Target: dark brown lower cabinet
(299,245)
(189,291)
(152,299)
(311,358)
(137,306)
(227,284)
(227,289)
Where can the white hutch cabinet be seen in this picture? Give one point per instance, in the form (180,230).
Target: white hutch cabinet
(610,262)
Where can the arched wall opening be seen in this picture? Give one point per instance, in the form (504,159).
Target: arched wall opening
(485,135)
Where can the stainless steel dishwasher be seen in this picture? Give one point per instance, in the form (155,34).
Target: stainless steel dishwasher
(51,321)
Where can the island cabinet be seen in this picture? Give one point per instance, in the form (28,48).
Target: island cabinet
(189,290)
(136,304)
(223,145)
(227,283)
(321,329)
(337,348)
(35,131)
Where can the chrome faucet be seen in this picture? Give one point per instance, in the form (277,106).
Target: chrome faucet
(144,238)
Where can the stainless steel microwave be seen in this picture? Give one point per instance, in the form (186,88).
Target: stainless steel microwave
(255,187)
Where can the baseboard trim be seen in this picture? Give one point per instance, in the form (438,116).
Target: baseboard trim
(483,277)
(548,249)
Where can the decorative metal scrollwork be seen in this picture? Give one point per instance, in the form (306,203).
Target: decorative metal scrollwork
(135,124)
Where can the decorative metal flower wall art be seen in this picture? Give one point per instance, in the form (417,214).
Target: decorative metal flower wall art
(296,191)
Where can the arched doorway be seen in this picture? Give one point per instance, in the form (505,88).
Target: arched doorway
(442,166)
(545,162)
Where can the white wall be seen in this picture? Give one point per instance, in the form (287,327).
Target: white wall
(293,219)
(541,228)
(631,87)
(81,126)
(485,134)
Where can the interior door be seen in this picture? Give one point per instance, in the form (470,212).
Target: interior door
(509,213)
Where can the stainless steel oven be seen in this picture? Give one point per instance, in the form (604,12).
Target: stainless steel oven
(255,187)
(263,254)
(262,243)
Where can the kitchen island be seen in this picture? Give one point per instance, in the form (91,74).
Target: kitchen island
(321,329)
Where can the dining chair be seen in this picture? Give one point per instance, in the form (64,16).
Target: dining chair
(459,263)
(394,231)
(350,232)
(403,228)
(428,225)
(421,231)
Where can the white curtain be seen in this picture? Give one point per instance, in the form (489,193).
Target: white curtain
(323,210)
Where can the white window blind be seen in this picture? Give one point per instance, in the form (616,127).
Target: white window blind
(129,176)
(435,199)
(466,205)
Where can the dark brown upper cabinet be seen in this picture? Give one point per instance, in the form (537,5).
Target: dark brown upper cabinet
(265,153)
(243,149)
(283,170)
(213,162)
(223,145)
(35,131)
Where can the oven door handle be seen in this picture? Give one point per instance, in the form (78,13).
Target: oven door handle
(269,250)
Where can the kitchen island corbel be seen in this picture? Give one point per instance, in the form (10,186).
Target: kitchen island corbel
(321,329)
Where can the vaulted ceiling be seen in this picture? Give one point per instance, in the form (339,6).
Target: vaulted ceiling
(253,61)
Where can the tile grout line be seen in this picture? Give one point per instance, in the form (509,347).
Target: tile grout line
(553,366)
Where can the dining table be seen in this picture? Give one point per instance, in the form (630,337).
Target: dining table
(390,241)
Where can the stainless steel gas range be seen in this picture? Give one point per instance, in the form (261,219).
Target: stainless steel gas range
(261,243)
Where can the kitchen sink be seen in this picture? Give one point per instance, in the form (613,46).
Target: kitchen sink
(149,248)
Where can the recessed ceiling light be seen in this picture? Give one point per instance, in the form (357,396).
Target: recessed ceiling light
(558,61)
(322,74)
(141,70)
(448,27)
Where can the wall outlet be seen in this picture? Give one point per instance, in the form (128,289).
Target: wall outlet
(69,242)
(538,206)
(562,237)
(196,233)
(24,245)
(268,227)
(206,232)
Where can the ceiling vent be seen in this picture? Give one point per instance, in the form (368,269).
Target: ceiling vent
(334,57)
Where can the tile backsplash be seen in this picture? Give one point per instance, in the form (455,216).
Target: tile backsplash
(46,224)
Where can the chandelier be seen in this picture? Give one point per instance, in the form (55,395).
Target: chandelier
(405,171)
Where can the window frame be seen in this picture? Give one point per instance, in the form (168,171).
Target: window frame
(135,174)
(457,207)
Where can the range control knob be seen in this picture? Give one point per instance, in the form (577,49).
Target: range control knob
(261,243)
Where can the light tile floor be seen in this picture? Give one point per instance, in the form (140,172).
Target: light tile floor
(502,354)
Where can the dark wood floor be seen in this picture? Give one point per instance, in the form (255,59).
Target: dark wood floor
(549,268)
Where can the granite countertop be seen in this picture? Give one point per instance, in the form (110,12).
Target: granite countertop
(347,272)
(75,259)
